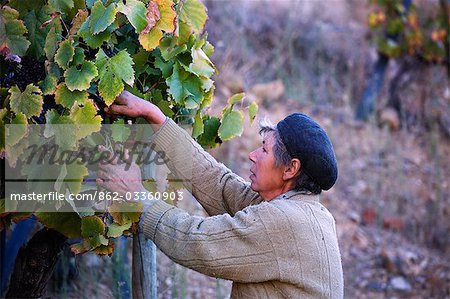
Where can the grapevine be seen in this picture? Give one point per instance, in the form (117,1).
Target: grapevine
(64,61)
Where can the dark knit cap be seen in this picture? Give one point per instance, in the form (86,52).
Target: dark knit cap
(306,140)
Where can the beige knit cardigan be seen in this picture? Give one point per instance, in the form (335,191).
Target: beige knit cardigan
(284,248)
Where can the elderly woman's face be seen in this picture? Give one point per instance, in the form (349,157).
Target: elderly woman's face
(266,177)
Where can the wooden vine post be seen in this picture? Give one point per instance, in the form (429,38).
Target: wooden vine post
(144,283)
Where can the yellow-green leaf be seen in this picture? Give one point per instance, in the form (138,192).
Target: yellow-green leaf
(194,13)
(232,125)
(17,131)
(79,77)
(116,230)
(136,14)
(149,38)
(112,71)
(252,111)
(64,55)
(28,102)
(67,98)
(236,98)
(197,128)
(69,224)
(49,84)
(102,17)
(12,31)
(87,119)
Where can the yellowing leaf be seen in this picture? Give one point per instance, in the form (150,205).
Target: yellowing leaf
(101,17)
(51,43)
(201,65)
(67,98)
(49,84)
(28,102)
(95,40)
(197,128)
(12,30)
(112,71)
(79,77)
(252,111)
(78,20)
(194,13)
(120,132)
(236,98)
(68,224)
(232,125)
(62,128)
(149,39)
(64,55)
(136,13)
(17,130)
(116,230)
(86,118)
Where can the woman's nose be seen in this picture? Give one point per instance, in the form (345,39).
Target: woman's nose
(251,156)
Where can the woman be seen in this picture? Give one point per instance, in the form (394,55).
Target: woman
(272,237)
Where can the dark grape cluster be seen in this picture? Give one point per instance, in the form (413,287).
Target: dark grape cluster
(29,70)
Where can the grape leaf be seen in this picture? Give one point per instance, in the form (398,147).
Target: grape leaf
(17,130)
(169,48)
(78,20)
(62,127)
(51,43)
(201,65)
(76,171)
(69,224)
(111,72)
(49,84)
(194,13)
(183,85)
(79,248)
(67,98)
(28,102)
(36,34)
(105,249)
(62,6)
(119,132)
(92,230)
(136,13)
(198,127)
(152,16)
(12,31)
(65,53)
(124,212)
(252,111)
(87,119)
(102,17)
(79,77)
(149,37)
(232,125)
(95,40)
(236,98)
(116,230)
(78,57)
(210,131)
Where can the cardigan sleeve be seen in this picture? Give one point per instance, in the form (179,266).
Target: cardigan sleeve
(215,186)
(235,248)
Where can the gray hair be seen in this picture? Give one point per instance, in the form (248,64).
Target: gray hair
(304,183)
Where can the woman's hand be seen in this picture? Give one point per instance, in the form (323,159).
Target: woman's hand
(128,104)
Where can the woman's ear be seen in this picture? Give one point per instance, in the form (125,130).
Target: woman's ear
(292,170)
